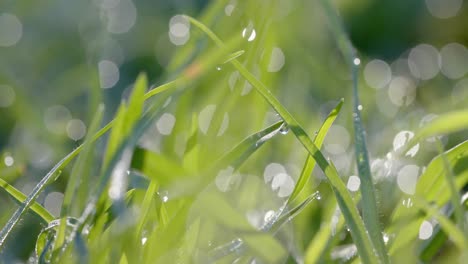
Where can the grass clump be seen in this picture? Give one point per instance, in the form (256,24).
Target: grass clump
(214,164)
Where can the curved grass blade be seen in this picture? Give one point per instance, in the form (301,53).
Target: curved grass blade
(76,174)
(234,158)
(263,244)
(53,173)
(443,124)
(369,205)
(432,187)
(20,198)
(310,162)
(446,224)
(358,231)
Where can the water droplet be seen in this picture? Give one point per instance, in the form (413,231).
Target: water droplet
(163,194)
(408,203)
(359,107)
(249,33)
(284,129)
(407,178)
(143,240)
(357,61)
(218,68)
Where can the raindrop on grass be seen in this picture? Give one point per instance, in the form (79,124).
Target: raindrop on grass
(284,129)
(359,107)
(249,33)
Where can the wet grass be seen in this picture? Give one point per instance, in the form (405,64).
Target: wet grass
(195,197)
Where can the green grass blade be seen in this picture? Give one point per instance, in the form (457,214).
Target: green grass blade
(432,187)
(446,224)
(454,193)
(343,197)
(78,173)
(369,205)
(55,171)
(310,162)
(20,198)
(233,158)
(213,205)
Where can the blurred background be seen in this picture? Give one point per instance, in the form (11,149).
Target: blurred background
(60,59)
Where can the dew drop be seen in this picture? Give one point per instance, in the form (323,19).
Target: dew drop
(359,107)
(218,68)
(284,129)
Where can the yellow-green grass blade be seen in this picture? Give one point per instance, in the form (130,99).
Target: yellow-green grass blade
(348,208)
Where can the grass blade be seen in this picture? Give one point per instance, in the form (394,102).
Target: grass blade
(369,205)
(446,224)
(310,162)
(20,198)
(343,197)
(56,170)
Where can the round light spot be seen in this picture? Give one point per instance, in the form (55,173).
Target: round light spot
(427,119)
(443,8)
(425,230)
(271,170)
(108,74)
(337,140)
(353,183)
(53,202)
(204,118)
(223,179)
(357,61)
(56,119)
(9,161)
(165,124)
(76,129)
(121,17)
(454,58)
(280,180)
(400,141)
(407,178)
(277,60)
(7,96)
(179,30)
(11,30)
(424,61)
(401,91)
(377,74)
(224,125)
(384,104)
(228,9)
(282,183)
(460,91)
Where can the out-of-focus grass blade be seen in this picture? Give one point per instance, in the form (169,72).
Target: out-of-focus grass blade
(56,170)
(369,205)
(78,174)
(446,224)
(20,198)
(310,162)
(443,124)
(432,187)
(213,205)
(233,158)
(357,229)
